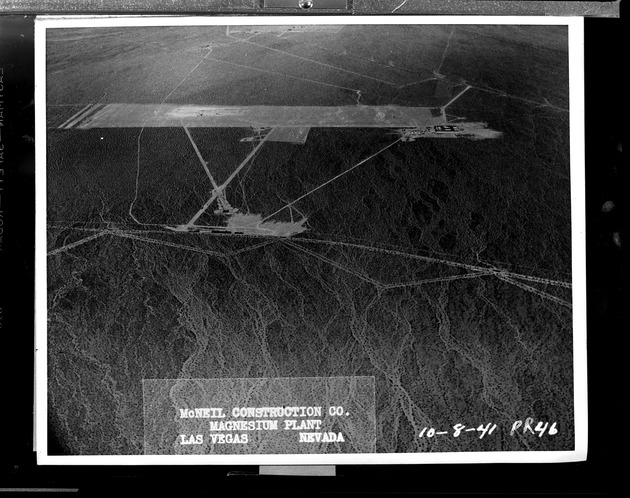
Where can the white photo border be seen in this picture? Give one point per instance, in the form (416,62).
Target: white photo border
(577,158)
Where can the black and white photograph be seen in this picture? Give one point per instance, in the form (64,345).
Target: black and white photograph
(325,240)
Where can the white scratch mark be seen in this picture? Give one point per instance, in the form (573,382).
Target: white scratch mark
(404,2)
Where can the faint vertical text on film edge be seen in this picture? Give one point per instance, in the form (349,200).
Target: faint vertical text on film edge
(1,155)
